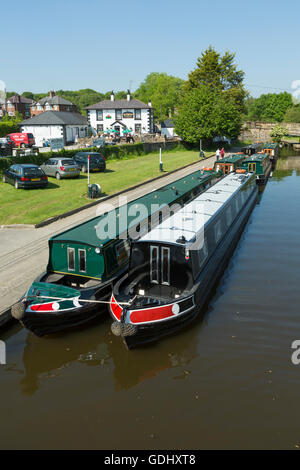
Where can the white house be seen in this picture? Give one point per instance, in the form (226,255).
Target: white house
(119,115)
(54,125)
(167,128)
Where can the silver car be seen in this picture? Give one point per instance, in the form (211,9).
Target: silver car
(61,168)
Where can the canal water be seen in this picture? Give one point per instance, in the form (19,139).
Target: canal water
(226,382)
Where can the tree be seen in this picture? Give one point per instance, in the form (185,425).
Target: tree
(218,73)
(28,94)
(292,114)
(164,92)
(270,107)
(205,113)
(278,132)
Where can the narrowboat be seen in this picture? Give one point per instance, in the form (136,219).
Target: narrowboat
(230,163)
(272,149)
(252,149)
(174,267)
(86,260)
(260,164)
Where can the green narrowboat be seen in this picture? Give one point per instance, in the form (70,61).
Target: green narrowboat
(271,149)
(86,260)
(230,163)
(260,164)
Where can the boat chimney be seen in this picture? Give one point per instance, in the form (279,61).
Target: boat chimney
(112,96)
(128,95)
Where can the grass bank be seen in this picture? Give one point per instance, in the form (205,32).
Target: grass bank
(35,205)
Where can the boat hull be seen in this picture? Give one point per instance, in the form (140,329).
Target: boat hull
(51,315)
(202,292)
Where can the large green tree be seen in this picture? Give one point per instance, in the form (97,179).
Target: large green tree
(270,107)
(163,90)
(220,73)
(292,114)
(205,113)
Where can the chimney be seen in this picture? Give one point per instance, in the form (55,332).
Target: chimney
(150,103)
(51,93)
(112,96)
(128,95)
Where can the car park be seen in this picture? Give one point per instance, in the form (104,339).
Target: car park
(97,161)
(25,176)
(61,168)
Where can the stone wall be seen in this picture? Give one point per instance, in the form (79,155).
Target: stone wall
(260,131)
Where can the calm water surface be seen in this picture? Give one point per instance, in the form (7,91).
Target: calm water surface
(226,382)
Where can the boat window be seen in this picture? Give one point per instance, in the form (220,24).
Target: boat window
(82,260)
(203,253)
(71,259)
(228,216)
(154,264)
(165,265)
(122,252)
(218,231)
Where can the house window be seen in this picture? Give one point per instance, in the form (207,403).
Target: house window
(82,260)
(118,114)
(137,114)
(99,115)
(137,128)
(99,127)
(71,259)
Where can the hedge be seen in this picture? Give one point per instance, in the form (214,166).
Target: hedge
(113,152)
(8,127)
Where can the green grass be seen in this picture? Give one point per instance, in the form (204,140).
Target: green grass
(30,206)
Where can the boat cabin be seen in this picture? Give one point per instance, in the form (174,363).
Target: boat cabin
(98,249)
(166,263)
(272,149)
(252,149)
(259,164)
(230,163)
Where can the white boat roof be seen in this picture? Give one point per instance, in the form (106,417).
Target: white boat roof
(189,221)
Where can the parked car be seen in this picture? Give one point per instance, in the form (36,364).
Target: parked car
(22,139)
(5,147)
(61,168)
(25,176)
(97,161)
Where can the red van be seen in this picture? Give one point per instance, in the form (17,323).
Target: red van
(21,139)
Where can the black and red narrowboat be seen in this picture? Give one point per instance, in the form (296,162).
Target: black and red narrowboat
(174,267)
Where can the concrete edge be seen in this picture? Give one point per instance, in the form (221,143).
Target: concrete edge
(98,201)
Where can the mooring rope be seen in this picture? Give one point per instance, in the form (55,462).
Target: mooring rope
(79,300)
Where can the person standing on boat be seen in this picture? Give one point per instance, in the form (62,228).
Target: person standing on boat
(218,154)
(222,152)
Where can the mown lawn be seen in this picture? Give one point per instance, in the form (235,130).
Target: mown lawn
(35,205)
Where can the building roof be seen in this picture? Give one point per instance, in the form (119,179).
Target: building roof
(190,221)
(54,100)
(49,118)
(20,99)
(167,123)
(119,104)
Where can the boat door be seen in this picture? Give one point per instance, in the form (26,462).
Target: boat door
(160,265)
(252,167)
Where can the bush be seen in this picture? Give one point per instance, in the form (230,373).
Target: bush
(7,127)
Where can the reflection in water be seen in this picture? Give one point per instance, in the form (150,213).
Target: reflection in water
(47,357)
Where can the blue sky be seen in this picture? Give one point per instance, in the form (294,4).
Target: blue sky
(104,45)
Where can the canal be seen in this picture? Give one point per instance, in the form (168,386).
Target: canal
(227,382)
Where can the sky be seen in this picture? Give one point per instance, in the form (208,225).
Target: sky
(72,44)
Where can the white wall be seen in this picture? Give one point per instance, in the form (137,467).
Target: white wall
(129,123)
(46,132)
(168,131)
(54,132)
